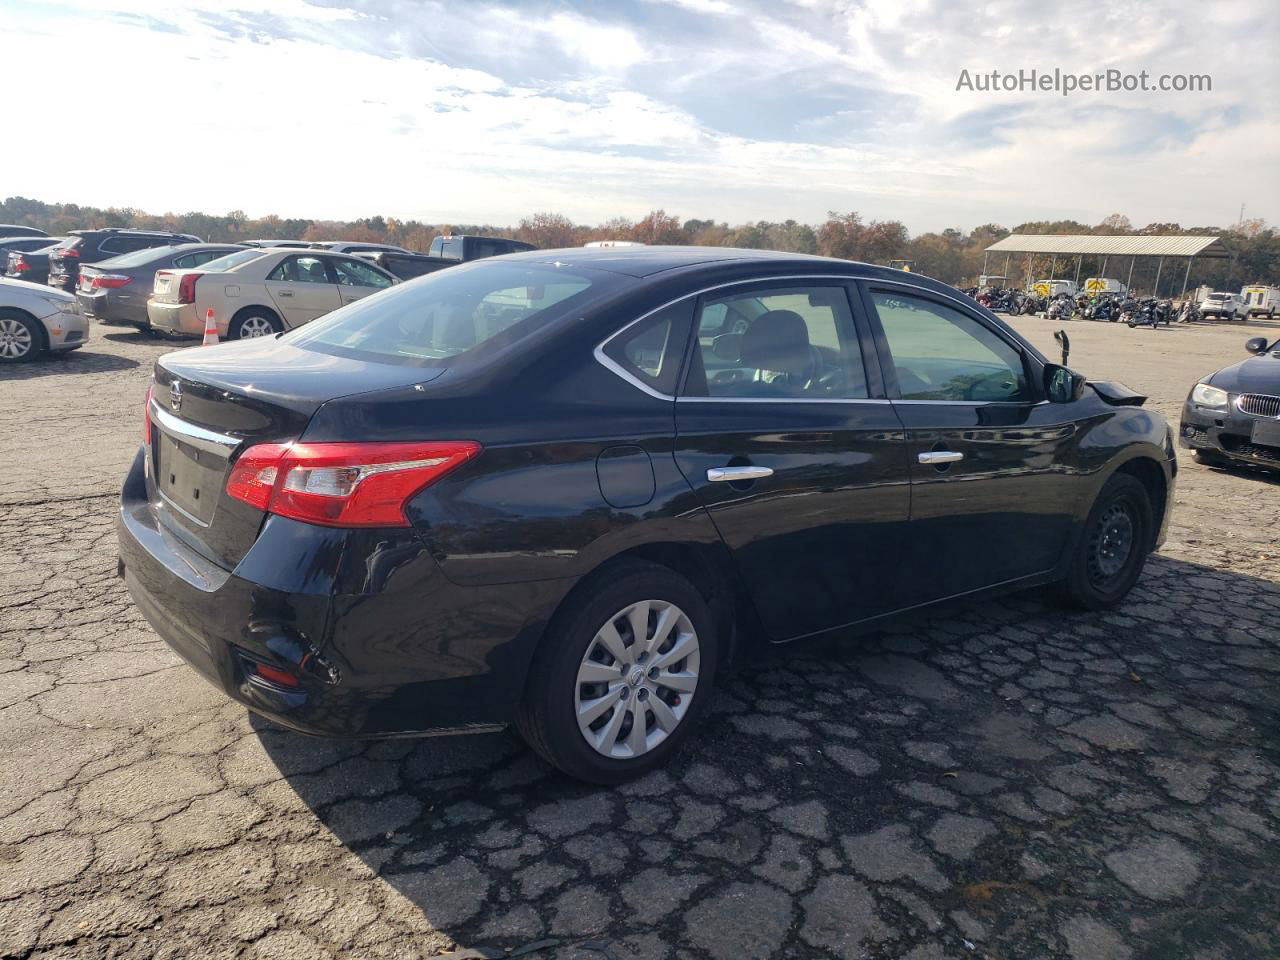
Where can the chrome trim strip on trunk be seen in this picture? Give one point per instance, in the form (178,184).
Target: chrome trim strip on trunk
(199,437)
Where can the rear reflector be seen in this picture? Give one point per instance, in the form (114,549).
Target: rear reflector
(343,484)
(281,678)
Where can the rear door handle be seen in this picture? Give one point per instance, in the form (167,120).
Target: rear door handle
(285,293)
(935,457)
(737,474)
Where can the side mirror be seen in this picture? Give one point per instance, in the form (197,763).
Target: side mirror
(1256,345)
(1062,385)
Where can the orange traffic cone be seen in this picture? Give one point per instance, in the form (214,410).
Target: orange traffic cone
(210,329)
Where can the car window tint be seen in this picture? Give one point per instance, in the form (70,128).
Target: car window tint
(794,342)
(128,244)
(352,273)
(652,349)
(448,313)
(942,354)
(300,270)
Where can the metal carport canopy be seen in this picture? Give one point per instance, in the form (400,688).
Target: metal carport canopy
(1078,245)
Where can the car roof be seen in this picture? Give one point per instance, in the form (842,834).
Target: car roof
(647,261)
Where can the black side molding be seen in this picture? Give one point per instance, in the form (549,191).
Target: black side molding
(1117,394)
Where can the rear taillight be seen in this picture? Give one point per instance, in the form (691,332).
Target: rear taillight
(187,288)
(111,280)
(69,252)
(146,413)
(19,264)
(343,484)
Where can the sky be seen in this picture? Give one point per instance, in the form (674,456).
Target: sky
(734,110)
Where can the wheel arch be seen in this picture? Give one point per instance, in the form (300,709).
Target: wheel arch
(1147,471)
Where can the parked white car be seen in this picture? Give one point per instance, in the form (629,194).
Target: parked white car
(257,292)
(1228,306)
(1260,299)
(35,318)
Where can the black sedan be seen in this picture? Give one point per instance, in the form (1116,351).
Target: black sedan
(1233,415)
(562,489)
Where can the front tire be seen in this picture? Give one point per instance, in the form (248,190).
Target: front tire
(1118,535)
(623,676)
(21,337)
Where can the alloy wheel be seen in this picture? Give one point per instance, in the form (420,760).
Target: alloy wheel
(256,327)
(637,679)
(15,339)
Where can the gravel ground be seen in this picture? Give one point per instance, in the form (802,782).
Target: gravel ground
(997,779)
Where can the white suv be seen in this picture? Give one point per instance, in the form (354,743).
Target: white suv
(1229,306)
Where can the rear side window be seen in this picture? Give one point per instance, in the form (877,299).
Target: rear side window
(942,354)
(449,313)
(199,258)
(652,350)
(129,244)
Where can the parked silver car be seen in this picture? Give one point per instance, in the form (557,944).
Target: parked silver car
(35,318)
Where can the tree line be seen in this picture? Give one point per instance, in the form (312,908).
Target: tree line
(952,255)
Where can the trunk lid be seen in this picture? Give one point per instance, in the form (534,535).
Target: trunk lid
(210,404)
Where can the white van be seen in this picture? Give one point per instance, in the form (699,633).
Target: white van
(1260,299)
(1051,288)
(1098,286)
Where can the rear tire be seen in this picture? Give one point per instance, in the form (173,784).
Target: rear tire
(254,322)
(1113,549)
(574,674)
(22,338)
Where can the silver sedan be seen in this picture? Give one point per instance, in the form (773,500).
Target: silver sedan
(35,318)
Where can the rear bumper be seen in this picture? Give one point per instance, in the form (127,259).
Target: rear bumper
(381,642)
(108,308)
(176,318)
(1227,433)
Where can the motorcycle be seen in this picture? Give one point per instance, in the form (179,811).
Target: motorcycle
(1061,307)
(1190,313)
(1150,312)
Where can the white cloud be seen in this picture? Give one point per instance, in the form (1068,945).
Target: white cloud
(308,110)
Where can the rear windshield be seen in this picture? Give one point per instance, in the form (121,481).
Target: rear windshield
(449,312)
(70,243)
(232,260)
(1219,296)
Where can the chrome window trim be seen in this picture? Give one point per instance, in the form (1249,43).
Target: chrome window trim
(198,437)
(613,367)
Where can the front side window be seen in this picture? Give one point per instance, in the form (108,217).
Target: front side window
(352,273)
(449,313)
(942,354)
(779,343)
(300,270)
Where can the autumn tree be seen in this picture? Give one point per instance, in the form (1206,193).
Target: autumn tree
(547,231)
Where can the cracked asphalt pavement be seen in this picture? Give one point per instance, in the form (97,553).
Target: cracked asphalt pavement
(994,779)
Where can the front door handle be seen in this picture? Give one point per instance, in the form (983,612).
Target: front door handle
(935,457)
(737,474)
